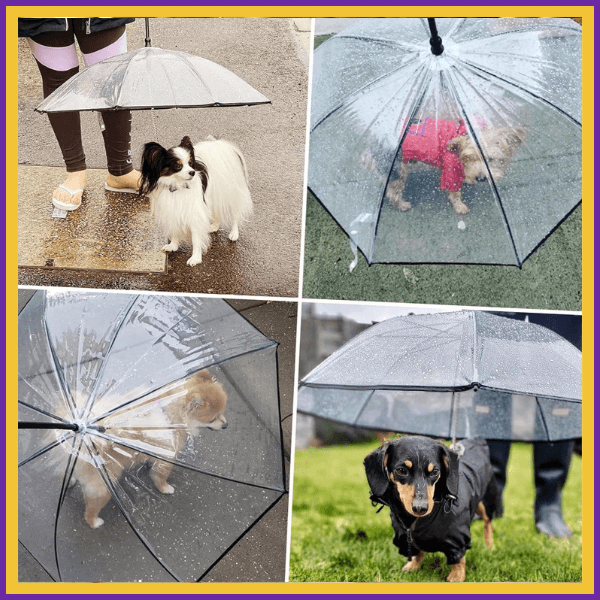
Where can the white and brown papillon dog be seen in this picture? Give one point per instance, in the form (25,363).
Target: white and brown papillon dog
(195,188)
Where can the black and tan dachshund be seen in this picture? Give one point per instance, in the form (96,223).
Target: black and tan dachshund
(433,496)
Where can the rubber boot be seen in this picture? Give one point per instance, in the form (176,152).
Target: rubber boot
(551,465)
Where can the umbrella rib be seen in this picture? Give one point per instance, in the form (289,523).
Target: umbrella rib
(139,398)
(357,92)
(245,532)
(363,407)
(179,463)
(92,397)
(39,453)
(475,67)
(411,114)
(471,130)
(542,417)
(66,390)
(109,484)
(43,412)
(63,491)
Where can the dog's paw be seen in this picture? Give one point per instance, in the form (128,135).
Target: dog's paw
(234,235)
(97,522)
(171,247)
(460,208)
(194,260)
(166,489)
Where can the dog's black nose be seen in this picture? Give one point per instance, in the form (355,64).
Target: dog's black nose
(419,509)
(481,178)
(192,173)
(225,425)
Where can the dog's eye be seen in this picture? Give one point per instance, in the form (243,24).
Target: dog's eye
(401,472)
(435,472)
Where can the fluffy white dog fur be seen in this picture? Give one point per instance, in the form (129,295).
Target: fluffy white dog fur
(194,190)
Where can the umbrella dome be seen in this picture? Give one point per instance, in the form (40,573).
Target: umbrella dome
(119,366)
(457,374)
(386,114)
(151,78)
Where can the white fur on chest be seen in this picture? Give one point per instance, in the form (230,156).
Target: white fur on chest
(180,211)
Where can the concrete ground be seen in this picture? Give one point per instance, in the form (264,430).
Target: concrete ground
(109,243)
(260,554)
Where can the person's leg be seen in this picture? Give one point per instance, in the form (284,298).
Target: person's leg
(551,464)
(57,62)
(499,453)
(96,47)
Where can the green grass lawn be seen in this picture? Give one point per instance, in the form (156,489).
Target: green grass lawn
(338,536)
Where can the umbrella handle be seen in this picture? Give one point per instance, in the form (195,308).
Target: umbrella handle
(435,40)
(147,40)
(38,425)
(67,426)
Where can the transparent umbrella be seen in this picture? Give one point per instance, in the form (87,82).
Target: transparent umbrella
(452,375)
(151,78)
(462,150)
(150,437)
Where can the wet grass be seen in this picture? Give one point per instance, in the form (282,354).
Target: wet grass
(338,536)
(549,279)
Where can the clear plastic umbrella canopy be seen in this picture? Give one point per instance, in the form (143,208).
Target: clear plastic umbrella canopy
(152,78)
(452,375)
(472,155)
(156,387)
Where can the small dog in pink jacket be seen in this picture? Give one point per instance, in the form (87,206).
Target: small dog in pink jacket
(447,146)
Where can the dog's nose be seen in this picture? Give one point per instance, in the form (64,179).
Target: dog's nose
(481,178)
(192,173)
(224,425)
(419,508)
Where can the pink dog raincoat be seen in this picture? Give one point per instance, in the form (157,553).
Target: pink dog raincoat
(427,142)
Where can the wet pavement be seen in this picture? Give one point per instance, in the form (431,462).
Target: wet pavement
(260,554)
(272,56)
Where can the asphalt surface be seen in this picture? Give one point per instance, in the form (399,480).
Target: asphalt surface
(272,56)
(259,556)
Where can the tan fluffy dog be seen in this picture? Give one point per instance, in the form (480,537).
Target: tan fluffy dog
(197,402)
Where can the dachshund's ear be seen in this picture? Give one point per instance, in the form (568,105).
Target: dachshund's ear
(376,471)
(449,478)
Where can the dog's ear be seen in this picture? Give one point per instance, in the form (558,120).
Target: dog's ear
(515,136)
(153,157)
(375,468)
(456,145)
(187,144)
(449,480)
(201,169)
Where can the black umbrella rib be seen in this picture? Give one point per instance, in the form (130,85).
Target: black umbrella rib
(61,498)
(541,412)
(42,412)
(471,130)
(109,484)
(213,364)
(520,88)
(420,94)
(92,396)
(179,463)
(348,98)
(223,554)
(39,453)
(57,367)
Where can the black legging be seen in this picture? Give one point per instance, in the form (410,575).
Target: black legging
(67,126)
